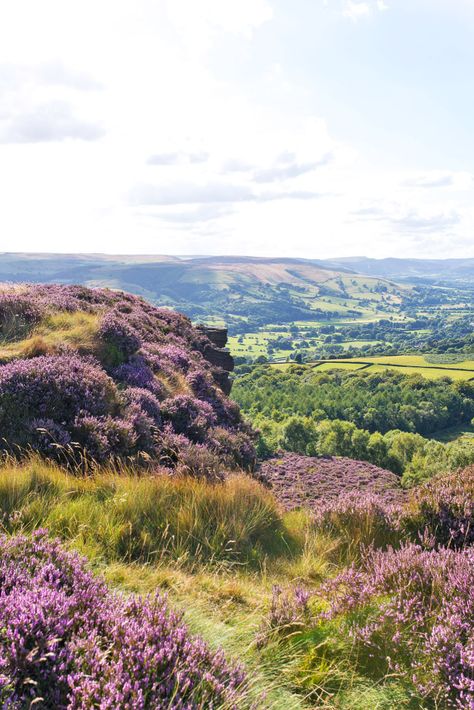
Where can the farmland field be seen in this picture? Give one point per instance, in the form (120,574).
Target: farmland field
(407,364)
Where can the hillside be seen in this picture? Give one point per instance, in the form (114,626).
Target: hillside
(104,375)
(239,290)
(441,271)
(282,575)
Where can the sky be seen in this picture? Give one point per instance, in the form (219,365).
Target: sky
(303,128)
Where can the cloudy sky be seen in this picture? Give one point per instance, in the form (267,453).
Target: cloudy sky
(313,128)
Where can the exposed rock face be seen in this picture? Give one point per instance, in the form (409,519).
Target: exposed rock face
(218,355)
(217,336)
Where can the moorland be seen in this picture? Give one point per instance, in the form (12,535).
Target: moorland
(305,542)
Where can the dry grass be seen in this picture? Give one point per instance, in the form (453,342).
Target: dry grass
(77,330)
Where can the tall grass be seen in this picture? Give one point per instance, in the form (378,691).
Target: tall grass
(141,519)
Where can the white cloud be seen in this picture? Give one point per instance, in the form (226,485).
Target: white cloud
(356,10)
(199,23)
(53,121)
(177,158)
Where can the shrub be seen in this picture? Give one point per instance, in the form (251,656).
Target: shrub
(204,388)
(306,481)
(112,406)
(359,521)
(235,449)
(102,437)
(289,613)
(411,613)
(18,313)
(137,373)
(117,333)
(61,386)
(442,509)
(144,399)
(68,642)
(189,416)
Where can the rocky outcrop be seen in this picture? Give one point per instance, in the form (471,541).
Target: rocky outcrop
(218,355)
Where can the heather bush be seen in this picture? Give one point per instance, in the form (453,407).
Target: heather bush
(45,387)
(410,613)
(103,437)
(235,449)
(47,436)
(118,340)
(66,641)
(442,510)
(304,481)
(147,401)
(137,373)
(18,313)
(359,521)
(189,416)
(204,388)
(198,461)
(288,613)
(176,355)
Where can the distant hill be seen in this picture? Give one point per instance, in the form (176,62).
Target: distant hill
(237,289)
(443,271)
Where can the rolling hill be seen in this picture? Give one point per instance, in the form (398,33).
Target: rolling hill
(237,289)
(440,271)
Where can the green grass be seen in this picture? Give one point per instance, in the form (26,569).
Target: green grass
(126,517)
(217,550)
(418,361)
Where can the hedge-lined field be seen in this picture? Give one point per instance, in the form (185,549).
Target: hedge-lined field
(405,364)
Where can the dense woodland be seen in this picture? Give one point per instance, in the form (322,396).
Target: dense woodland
(377,402)
(385,418)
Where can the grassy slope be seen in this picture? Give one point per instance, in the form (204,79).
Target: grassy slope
(77,330)
(217,550)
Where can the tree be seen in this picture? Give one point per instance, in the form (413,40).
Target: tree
(297,434)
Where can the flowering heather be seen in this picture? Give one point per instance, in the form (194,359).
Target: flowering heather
(51,387)
(116,332)
(114,392)
(360,519)
(304,481)
(234,448)
(289,612)
(66,641)
(17,315)
(204,388)
(148,402)
(189,416)
(137,373)
(411,612)
(176,355)
(443,508)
